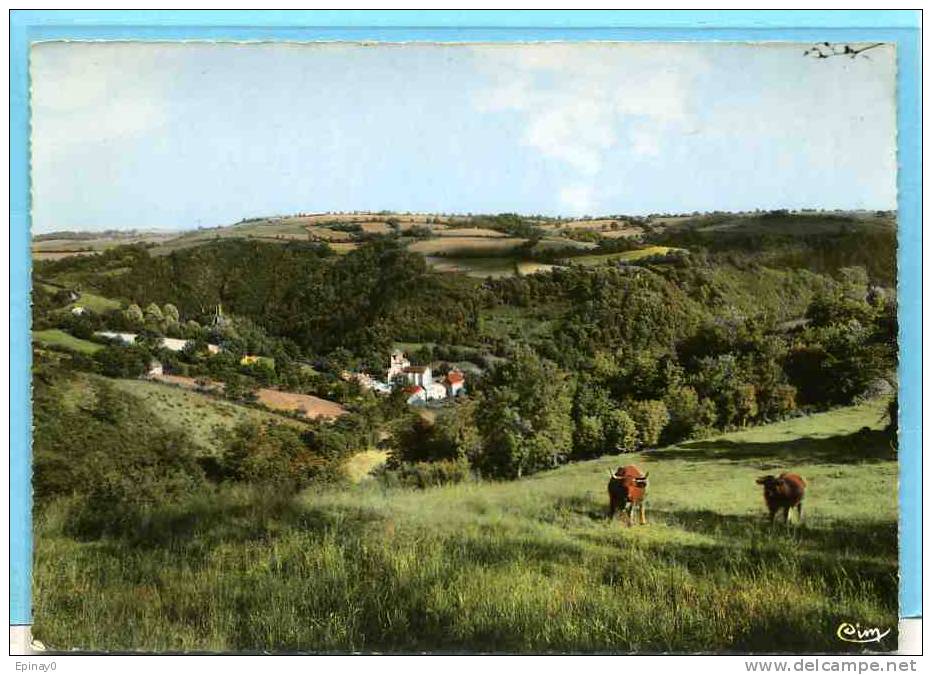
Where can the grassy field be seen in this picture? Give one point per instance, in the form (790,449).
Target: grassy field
(59,338)
(466,246)
(602,258)
(528,566)
(474,267)
(198,414)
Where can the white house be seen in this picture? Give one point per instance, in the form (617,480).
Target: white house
(174,344)
(455,381)
(435,391)
(417,395)
(125,338)
(418,375)
(155,369)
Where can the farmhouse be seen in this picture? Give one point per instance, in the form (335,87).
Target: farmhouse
(454,381)
(416,395)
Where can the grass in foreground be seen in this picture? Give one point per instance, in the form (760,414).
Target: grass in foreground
(528,566)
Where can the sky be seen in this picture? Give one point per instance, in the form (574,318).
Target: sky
(175,136)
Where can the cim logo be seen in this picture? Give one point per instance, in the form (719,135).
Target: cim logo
(854,633)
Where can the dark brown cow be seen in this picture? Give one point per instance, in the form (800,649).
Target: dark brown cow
(783,493)
(627,488)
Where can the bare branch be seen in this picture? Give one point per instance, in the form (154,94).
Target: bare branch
(824,50)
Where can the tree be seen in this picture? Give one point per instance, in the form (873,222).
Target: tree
(170,312)
(134,315)
(271,454)
(650,417)
(524,417)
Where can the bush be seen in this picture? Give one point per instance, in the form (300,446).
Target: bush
(270,454)
(426,474)
(107,455)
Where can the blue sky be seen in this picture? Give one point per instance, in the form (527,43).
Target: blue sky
(160,135)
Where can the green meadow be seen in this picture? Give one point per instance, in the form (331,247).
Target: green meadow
(527,566)
(58,338)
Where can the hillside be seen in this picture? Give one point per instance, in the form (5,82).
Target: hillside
(526,566)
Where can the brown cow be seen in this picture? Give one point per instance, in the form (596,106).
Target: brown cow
(627,488)
(784,492)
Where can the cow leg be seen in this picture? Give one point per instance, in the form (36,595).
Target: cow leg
(643,517)
(786,515)
(799,513)
(773,515)
(628,508)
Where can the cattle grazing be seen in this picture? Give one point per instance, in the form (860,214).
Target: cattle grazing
(783,492)
(627,489)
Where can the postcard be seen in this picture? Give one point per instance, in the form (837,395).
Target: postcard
(489,347)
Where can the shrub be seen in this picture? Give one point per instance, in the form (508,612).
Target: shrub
(270,454)
(426,474)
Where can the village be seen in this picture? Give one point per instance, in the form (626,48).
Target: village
(417,382)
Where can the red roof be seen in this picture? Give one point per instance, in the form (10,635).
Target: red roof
(413,390)
(455,377)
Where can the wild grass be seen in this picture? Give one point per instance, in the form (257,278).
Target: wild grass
(199,415)
(527,566)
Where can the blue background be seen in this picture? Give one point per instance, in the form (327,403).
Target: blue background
(899,27)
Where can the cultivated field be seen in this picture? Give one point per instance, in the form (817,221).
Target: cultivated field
(602,258)
(526,566)
(463,246)
(304,404)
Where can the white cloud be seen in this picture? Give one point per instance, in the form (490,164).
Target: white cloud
(581,102)
(87,92)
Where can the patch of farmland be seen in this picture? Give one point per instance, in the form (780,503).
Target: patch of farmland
(59,338)
(466,246)
(58,255)
(328,235)
(375,227)
(482,268)
(558,243)
(623,256)
(526,267)
(470,232)
(343,247)
(309,406)
(624,232)
(596,224)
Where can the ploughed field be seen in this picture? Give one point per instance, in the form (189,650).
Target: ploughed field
(526,566)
